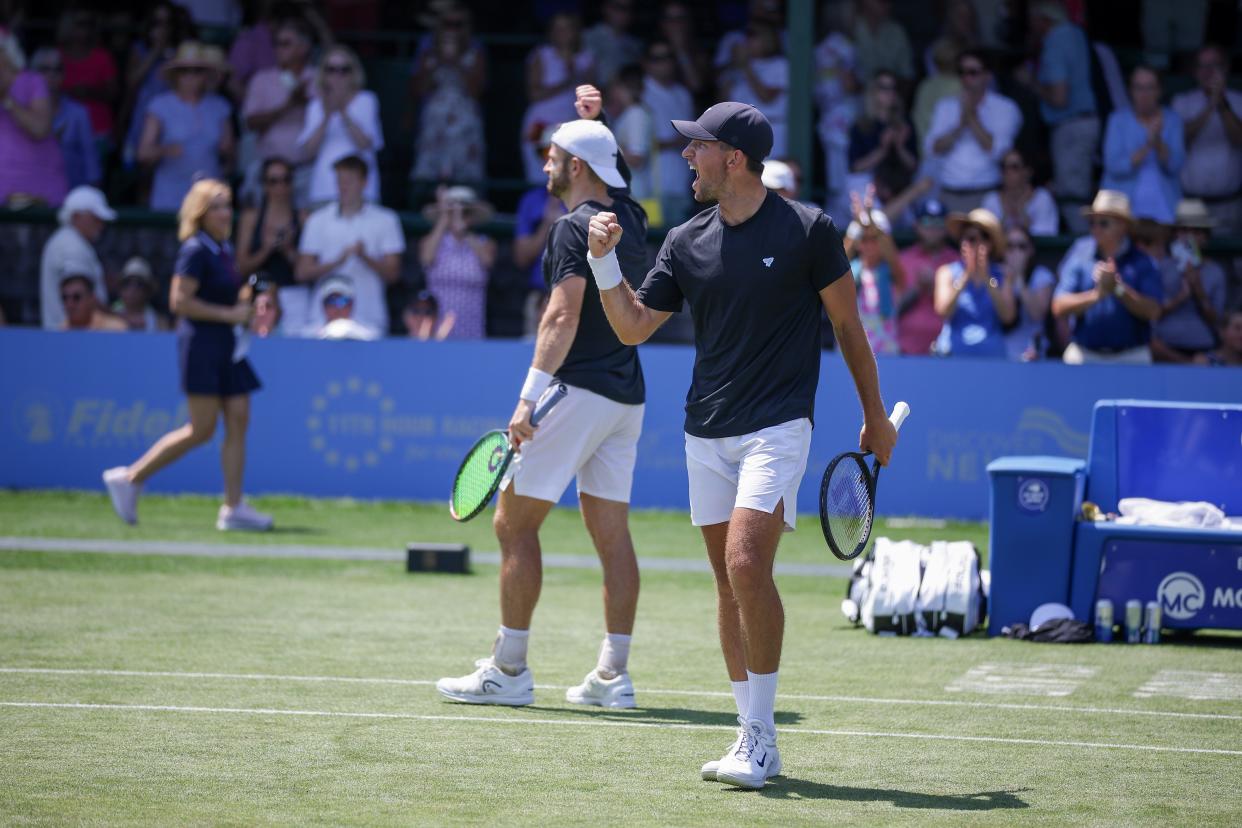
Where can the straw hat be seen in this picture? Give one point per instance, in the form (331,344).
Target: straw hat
(194,55)
(1110,203)
(474,208)
(1192,214)
(985,220)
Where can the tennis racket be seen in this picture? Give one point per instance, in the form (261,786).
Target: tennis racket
(485,465)
(847,497)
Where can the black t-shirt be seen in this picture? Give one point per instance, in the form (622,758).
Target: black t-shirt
(753,291)
(597,361)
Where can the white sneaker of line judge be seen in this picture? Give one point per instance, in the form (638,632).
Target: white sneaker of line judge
(123,493)
(755,759)
(242,518)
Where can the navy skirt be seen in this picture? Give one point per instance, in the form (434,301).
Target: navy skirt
(207,367)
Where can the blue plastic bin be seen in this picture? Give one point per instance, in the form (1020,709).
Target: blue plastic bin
(1034,501)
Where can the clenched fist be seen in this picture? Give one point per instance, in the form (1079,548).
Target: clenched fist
(603,234)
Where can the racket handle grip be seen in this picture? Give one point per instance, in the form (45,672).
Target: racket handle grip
(556,394)
(900,411)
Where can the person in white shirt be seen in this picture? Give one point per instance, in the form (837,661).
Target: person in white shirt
(354,239)
(70,252)
(760,77)
(969,134)
(667,100)
(1018,203)
(1212,123)
(634,129)
(837,97)
(336,299)
(343,120)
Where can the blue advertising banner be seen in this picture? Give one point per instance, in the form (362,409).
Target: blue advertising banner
(1197,585)
(392,419)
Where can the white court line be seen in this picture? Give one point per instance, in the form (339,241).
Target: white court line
(494,720)
(644,691)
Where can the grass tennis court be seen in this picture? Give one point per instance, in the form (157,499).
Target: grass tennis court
(153,689)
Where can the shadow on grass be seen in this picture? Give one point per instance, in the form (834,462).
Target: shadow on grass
(667,715)
(784,787)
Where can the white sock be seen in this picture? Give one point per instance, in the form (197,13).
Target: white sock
(614,654)
(762,698)
(741,696)
(510,650)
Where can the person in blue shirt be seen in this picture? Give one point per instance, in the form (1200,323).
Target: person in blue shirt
(1143,151)
(1111,289)
(214,306)
(71,124)
(974,295)
(1067,103)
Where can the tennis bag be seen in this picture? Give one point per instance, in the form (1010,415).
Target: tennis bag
(951,593)
(905,588)
(891,598)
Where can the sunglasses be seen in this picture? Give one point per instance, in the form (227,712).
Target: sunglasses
(338,300)
(660,56)
(972,238)
(73,297)
(338,69)
(277,179)
(970,72)
(1013,165)
(1101,223)
(886,87)
(194,70)
(1019,245)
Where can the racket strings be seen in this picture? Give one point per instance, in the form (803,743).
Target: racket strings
(849,506)
(479,471)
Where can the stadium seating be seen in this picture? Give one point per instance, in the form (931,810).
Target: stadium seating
(1158,450)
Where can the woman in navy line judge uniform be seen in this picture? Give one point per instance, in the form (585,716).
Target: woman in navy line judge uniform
(213,306)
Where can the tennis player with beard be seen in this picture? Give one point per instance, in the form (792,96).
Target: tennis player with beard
(592,434)
(757,270)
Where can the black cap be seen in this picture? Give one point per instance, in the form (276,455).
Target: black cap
(737,124)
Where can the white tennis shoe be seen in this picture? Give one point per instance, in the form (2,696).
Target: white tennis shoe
(490,685)
(754,761)
(708,771)
(242,518)
(123,493)
(616,692)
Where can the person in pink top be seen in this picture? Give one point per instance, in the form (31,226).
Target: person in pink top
(32,167)
(91,76)
(918,324)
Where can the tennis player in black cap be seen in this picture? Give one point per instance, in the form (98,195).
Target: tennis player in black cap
(756,270)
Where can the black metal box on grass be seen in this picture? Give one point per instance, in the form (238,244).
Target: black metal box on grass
(437,557)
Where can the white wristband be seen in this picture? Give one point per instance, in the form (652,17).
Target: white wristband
(607,270)
(536,383)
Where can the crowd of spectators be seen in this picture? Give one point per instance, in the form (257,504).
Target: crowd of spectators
(948,140)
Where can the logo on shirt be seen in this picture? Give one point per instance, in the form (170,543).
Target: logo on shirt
(768,261)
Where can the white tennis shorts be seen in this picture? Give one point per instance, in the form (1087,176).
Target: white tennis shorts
(587,436)
(755,471)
